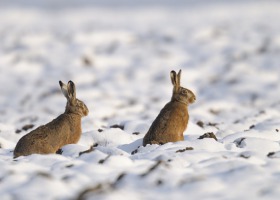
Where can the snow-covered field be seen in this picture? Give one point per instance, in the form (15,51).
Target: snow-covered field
(120,58)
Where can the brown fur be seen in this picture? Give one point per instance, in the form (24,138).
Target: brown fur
(65,129)
(172,120)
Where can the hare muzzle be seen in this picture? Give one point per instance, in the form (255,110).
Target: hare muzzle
(192,99)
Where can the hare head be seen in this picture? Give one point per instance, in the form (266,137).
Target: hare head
(73,105)
(180,94)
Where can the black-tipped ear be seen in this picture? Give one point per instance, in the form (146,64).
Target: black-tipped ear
(179,78)
(173,77)
(64,89)
(71,90)
(60,83)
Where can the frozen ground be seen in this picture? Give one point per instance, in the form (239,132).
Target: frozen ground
(120,59)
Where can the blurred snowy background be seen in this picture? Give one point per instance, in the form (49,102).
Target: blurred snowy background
(119,54)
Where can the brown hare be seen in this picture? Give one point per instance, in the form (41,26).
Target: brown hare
(65,129)
(173,119)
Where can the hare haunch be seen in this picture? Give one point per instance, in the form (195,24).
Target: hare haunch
(173,119)
(65,129)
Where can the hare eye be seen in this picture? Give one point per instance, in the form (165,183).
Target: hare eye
(184,92)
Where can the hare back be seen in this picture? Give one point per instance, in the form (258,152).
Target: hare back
(169,124)
(30,144)
(65,129)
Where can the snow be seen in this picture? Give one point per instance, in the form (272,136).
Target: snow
(119,57)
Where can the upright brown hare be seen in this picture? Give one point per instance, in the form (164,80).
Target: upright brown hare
(172,120)
(65,129)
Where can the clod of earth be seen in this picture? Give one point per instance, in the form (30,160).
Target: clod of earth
(214,112)
(159,182)
(154,167)
(208,135)
(270,154)
(252,126)
(213,124)
(102,161)
(69,166)
(27,126)
(134,152)
(59,151)
(117,126)
(44,174)
(132,102)
(119,178)
(183,150)
(200,123)
(239,142)
(87,61)
(244,156)
(99,188)
(18,131)
(87,151)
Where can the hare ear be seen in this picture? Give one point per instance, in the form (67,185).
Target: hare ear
(179,78)
(64,89)
(175,81)
(71,90)
(173,78)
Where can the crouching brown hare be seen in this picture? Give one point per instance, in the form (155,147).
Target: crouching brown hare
(172,120)
(65,129)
